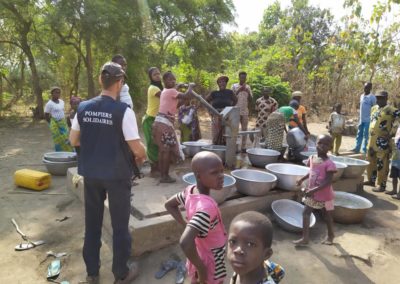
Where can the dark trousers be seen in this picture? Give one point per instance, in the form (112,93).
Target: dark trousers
(118,193)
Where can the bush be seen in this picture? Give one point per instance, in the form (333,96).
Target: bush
(281,90)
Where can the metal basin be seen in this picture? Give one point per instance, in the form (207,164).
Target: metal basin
(193,147)
(60,156)
(218,195)
(253,182)
(58,168)
(261,157)
(355,167)
(296,138)
(340,167)
(282,151)
(287,174)
(220,150)
(307,154)
(289,214)
(350,208)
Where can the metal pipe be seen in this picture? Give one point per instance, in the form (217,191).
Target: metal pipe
(205,103)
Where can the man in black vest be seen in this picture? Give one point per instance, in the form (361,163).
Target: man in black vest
(106,130)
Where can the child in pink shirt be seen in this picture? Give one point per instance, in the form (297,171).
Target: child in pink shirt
(319,194)
(204,238)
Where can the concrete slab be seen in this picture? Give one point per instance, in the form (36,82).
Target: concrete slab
(153,228)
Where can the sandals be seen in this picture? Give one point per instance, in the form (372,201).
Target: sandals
(26,246)
(378,189)
(166,267)
(397,197)
(180,272)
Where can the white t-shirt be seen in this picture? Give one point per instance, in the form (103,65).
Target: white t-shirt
(337,122)
(55,110)
(125,97)
(129,125)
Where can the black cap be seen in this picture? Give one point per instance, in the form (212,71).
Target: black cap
(112,70)
(382,94)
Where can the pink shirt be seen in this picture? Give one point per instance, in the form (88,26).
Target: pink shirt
(318,170)
(202,213)
(169,102)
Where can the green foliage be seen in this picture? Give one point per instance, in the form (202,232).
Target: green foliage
(281,90)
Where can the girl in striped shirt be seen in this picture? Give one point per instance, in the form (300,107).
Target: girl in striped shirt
(203,240)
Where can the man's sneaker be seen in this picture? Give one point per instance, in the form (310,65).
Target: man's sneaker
(92,279)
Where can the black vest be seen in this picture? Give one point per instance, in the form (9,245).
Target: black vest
(104,153)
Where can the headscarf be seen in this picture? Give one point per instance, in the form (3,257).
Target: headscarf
(158,84)
(75,100)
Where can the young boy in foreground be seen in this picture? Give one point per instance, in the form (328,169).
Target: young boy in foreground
(204,238)
(249,248)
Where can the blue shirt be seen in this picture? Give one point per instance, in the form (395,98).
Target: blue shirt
(366,103)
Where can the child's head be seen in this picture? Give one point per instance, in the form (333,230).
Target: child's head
(324,144)
(208,170)
(294,104)
(337,107)
(119,59)
(169,80)
(242,77)
(249,242)
(154,74)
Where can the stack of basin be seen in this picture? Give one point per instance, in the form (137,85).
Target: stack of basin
(57,163)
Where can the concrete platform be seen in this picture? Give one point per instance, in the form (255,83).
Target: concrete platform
(153,228)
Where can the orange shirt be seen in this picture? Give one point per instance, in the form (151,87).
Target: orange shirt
(300,111)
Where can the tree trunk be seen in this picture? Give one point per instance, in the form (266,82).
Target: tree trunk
(89,65)
(37,90)
(1,94)
(75,87)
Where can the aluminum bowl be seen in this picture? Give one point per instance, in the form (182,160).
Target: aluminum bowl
(60,156)
(340,167)
(193,147)
(287,174)
(355,167)
(220,150)
(58,168)
(218,195)
(350,208)
(282,151)
(307,154)
(289,214)
(261,157)
(254,182)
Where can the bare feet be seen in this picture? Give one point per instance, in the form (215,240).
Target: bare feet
(167,179)
(301,242)
(328,241)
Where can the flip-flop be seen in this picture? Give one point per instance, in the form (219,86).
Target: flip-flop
(396,197)
(54,269)
(26,246)
(180,272)
(166,267)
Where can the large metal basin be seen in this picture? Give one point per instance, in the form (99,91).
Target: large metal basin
(193,147)
(296,138)
(287,174)
(282,151)
(340,167)
(289,214)
(261,157)
(58,168)
(253,182)
(218,195)
(350,208)
(220,150)
(60,156)
(355,167)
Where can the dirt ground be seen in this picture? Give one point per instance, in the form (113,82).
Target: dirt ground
(363,253)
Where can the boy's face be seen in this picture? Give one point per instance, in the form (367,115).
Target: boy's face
(212,176)
(222,84)
(170,82)
(246,249)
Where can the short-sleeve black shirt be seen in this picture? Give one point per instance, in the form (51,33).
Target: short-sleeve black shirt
(222,99)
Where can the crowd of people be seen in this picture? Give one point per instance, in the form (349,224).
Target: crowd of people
(105,132)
